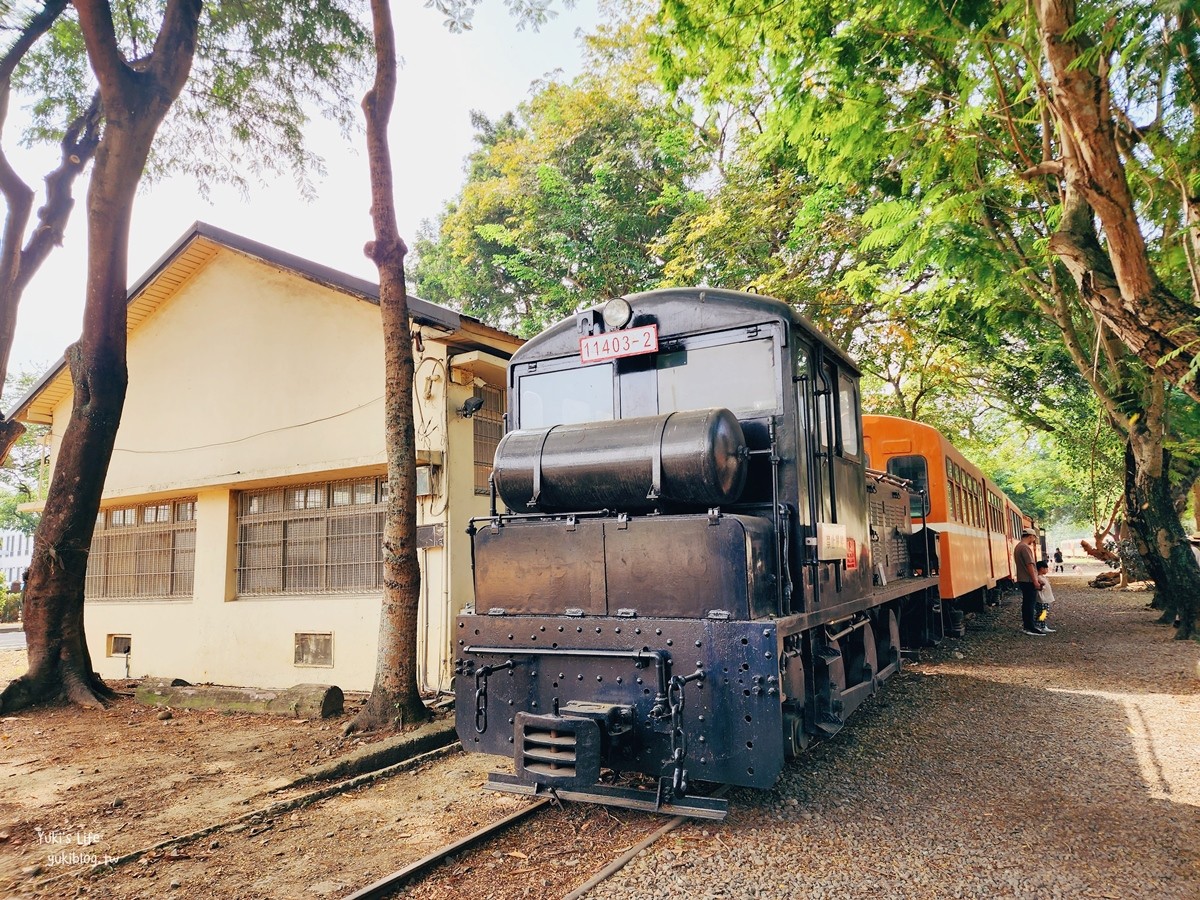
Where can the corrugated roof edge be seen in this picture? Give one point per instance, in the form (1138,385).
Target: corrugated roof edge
(421,310)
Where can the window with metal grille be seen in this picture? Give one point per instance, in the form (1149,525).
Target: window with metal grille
(143,551)
(322,538)
(489,428)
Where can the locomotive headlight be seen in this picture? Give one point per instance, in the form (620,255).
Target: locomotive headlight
(617,313)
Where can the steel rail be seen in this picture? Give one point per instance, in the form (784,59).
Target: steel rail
(623,860)
(387,885)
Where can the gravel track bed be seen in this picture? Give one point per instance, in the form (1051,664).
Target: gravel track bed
(1000,766)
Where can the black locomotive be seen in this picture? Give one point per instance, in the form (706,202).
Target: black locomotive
(696,574)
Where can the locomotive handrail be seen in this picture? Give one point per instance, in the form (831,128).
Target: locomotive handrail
(888,478)
(500,517)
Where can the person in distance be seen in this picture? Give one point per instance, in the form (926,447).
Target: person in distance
(1028,581)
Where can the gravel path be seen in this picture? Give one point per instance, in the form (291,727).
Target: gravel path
(1001,766)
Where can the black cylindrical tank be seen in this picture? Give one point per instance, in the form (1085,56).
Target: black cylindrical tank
(693,458)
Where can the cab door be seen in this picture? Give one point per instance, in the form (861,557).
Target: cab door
(837,543)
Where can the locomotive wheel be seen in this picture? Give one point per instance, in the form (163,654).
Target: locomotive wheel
(887,637)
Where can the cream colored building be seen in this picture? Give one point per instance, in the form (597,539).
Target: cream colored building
(239,535)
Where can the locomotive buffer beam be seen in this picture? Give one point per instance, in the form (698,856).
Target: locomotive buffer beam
(713,808)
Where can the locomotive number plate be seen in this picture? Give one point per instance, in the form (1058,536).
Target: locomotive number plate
(629,342)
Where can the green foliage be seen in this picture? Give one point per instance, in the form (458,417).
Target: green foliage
(935,116)
(261,67)
(564,198)
(23,473)
(10,605)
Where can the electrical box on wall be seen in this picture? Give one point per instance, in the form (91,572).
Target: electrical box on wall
(425,475)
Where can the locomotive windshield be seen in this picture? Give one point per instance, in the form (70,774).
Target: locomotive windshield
(567,396)
(738,377)
(695,372)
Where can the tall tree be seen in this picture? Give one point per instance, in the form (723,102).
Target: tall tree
(394,696)
(140,72)
(135,101)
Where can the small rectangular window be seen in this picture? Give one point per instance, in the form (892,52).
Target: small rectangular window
(156,513)
(313,649)
(119,645)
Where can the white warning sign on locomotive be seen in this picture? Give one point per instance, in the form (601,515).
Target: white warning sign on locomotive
(831,541)
(615,344)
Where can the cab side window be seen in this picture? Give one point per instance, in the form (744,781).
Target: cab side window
(848,418)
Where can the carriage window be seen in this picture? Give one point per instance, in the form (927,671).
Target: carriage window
(916,470)
(566,397)
(740,377)
(848,416)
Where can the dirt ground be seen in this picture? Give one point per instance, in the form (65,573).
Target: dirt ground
(78,787)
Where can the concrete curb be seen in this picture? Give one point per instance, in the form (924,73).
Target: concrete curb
(372,757)
(12,626)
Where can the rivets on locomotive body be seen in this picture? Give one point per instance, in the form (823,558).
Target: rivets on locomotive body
(543,628)
(533,674)
(620,680)
(639,681)
(658,631)
(561,676)
(510,637)
(597,629)
(637,631)
(579,677)
(579,629)
(617,630)
(599,677)
(560,628)
(766,632)
(768,655)
(697,643)
(670,642)
(533,705)
(510,703)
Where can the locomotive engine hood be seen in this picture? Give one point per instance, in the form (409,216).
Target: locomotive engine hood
(696,458)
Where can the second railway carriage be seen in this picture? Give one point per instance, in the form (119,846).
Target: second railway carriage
(977,525)
(688,572)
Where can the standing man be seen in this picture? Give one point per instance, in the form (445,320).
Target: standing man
(1028,582)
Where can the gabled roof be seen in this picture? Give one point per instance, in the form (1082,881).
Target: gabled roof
(198,246)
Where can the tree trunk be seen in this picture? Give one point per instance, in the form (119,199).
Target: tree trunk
(1150,319)
(1157,532)
(395,699)
(134,103)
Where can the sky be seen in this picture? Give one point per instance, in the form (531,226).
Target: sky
(444,76)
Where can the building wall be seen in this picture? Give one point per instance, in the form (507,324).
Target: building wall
(16,551)
(251,377)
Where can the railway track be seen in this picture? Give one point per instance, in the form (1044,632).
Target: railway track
(389,884)
(412,873)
